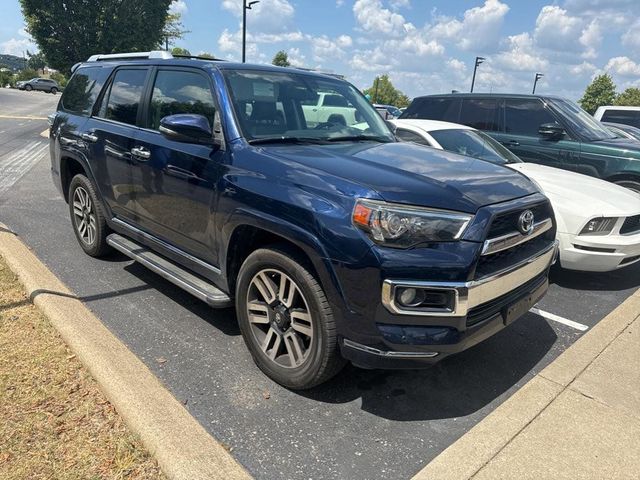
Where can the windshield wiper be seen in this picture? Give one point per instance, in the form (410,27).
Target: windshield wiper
(293,140)
(355,138)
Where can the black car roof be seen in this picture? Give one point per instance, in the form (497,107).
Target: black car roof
(489,95)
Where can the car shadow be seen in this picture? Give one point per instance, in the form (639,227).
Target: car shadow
(458,386)
(623,279)
(224,318)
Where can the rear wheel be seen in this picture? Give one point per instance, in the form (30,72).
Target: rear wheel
(630,184)
(286,320)
(87,217)
(54,90)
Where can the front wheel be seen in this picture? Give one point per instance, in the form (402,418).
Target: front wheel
(630,184)
(286,320)
(28,88)
(87,217)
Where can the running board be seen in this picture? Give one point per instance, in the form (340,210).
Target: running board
(176,274)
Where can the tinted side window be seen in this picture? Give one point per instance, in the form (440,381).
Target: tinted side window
(83,89)
(524,116)
(178,91)
(335,101)
(482,113)
(445,109)
(409,136)
(124,96)
(628,117)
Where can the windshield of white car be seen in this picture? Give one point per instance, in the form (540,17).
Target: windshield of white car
(584,124)
(288,105)
(473,143)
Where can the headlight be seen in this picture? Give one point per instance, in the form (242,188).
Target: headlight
(403,226)
(599,226)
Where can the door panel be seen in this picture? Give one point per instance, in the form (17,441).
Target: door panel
(176,184)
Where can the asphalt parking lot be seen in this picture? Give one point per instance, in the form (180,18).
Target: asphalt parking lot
(364,424)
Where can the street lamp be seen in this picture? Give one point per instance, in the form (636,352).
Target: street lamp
(245,6)
(535,82)
(479,60)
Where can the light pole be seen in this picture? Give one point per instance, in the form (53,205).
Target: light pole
(245,7)
(479,60)
(375,94)
(535,82)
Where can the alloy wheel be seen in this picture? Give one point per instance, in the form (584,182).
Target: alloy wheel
(279,318)
(84,215)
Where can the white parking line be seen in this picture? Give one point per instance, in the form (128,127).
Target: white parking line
(559,319)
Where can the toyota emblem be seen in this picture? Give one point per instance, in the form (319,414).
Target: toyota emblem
(525,222)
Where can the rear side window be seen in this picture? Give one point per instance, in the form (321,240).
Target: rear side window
(628,117)
(178,91)
(445,109)
(335,101)
(83,89)
(524,116)
(124,96)
(409,136)
(482,113)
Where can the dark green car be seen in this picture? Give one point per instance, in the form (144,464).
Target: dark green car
(542,129)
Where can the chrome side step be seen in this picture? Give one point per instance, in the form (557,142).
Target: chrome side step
(176,274)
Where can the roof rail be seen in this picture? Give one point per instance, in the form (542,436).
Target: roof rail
(199,57)
(158,54)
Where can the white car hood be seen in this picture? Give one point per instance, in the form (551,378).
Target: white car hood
(577,198)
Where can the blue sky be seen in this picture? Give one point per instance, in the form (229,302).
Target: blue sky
(424,46)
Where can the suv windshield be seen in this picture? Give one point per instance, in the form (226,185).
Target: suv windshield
(580,121)
(281,106)
(474,144)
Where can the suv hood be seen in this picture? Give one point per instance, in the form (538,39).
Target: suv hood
(411,174)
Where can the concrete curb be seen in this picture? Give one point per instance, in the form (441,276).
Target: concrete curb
(469,454)
(183,449)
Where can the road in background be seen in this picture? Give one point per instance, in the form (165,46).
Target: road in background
(363,424)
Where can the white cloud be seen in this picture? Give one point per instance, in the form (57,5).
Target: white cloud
(520,55)
(268,16)
(623,66)
(178,6)
(631,38)
(296,57)
(372,17)
(479,28)
(591,38)
(17,46)
(555,29)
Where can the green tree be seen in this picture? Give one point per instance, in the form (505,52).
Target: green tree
(26,74)
(36,61)
(601,91)
(6,78)
(180,51)
(207,55)
(629,98)
(281,59)
(383,91)
(69,32)
(60,78)
(173,29)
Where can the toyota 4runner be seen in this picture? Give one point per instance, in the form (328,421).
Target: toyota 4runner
(334,241)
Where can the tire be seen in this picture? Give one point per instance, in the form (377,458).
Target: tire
(85,208)
(54,90)
(630,184)
(296,327)
(28,88)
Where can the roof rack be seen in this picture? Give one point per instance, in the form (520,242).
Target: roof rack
(199,57)
(159,54)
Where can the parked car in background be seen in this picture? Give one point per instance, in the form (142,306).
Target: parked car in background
(623,131)
(624,115)
(598,223)
(387,112)
(328,108)
(42,84)
(333,243)
(541,129)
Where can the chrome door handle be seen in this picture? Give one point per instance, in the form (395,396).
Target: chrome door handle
(141,153)
(89,137)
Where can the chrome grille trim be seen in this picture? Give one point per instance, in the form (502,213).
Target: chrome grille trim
(510,240)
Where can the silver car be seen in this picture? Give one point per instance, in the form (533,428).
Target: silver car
(43,84)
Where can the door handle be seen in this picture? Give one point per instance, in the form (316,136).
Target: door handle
(89,137)
(511,143)
(141,153)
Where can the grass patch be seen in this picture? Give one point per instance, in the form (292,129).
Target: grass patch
(54,421)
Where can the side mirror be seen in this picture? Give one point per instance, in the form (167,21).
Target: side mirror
(551,131)
(188,128)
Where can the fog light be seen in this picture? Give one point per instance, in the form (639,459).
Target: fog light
(410,297)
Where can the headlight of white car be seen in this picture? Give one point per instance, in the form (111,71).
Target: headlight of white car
(599,226)
(402,226)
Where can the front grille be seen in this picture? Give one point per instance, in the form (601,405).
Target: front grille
(505,223)
(490,264)
(631,225)
(494,307)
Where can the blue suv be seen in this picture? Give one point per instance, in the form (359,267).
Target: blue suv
(332,240)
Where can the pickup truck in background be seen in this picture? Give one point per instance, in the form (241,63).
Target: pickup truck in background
(330,108)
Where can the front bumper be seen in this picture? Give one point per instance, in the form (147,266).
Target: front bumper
(483,307)
(598,253)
